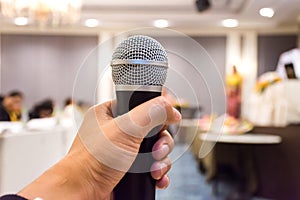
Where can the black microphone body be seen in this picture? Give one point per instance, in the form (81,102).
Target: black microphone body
(137,186)
(139,70)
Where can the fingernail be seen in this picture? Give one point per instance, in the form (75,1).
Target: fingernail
(161,152)
(158,167)
(162,165)
(165,150)
(177,114)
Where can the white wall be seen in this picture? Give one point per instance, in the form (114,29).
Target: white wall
(46,66)
(196,70)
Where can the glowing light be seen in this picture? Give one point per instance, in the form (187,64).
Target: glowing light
(161,23)
(91,23)
(266,12)
(230,23)
(21,21)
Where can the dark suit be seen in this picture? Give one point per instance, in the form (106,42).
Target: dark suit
(4,116)
(12,197)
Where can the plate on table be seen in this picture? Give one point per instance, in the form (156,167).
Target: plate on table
(225,124)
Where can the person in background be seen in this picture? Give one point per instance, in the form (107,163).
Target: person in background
(42,110)
(69,101)
(234,92)
(291,57)
(71,113)
(1,98)
(83,106)
(69,108)
(11,107)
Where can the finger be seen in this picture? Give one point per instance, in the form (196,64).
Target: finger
(163,147)
(163,183)
(96,129)
(139,121)
(104,111)
(156,110)
(160,168)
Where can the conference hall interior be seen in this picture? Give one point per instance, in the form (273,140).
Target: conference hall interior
(233,73)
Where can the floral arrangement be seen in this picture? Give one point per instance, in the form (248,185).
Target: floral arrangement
(266,80)
(224,124)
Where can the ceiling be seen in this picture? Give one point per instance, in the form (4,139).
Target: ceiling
(182,14)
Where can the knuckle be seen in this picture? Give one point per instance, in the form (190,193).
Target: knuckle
(164,103)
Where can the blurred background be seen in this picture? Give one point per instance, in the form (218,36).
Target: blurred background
(234,75)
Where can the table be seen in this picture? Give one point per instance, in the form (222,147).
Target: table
(247,138)
(235,152)
(25,155)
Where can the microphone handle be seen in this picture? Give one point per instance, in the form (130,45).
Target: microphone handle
(135,185)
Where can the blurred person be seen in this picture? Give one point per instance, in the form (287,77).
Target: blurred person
(83,106)
(43,109)
(69,101)
(11,107)
(234,93)
(71,113)
(81,174)
(1,98)
(70,106)
(291,57)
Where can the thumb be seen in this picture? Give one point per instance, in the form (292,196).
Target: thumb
(142,119)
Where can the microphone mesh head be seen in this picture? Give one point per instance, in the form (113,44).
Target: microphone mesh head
(139,60)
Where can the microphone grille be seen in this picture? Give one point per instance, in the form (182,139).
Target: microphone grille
(139,60)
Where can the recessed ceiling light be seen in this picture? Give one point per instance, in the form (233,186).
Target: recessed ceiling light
(91,23)
(21,21)
(266,12)
(161,23)
(230,23)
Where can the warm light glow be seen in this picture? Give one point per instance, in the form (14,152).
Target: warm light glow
(266,12)
(161,23)
(91,23)
(53,12)
(230,23)
(21,21)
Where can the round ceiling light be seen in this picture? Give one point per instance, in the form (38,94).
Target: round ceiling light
(21,21)
(266,12)
(230,23)
(161,23)
(91,23)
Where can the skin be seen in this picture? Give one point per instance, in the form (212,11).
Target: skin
(13,104)
(81,176)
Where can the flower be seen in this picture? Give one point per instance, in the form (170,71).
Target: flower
(266,80)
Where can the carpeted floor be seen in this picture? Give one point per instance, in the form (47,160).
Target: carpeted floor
(187,183)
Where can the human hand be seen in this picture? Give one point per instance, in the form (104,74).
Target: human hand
(95,163)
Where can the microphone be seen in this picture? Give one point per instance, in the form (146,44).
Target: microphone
(139,70)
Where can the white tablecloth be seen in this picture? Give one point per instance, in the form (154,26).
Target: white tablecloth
(241,139)
(278,105)
(27,154)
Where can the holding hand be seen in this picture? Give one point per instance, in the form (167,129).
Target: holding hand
(103,151)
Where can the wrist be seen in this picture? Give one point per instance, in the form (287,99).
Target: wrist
(93,179)
(49,185)
(66,180)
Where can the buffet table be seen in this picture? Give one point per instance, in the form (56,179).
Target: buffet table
(278,105)
(241,138)
(268,166)
(278,166)
(24,155)
(232,158)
